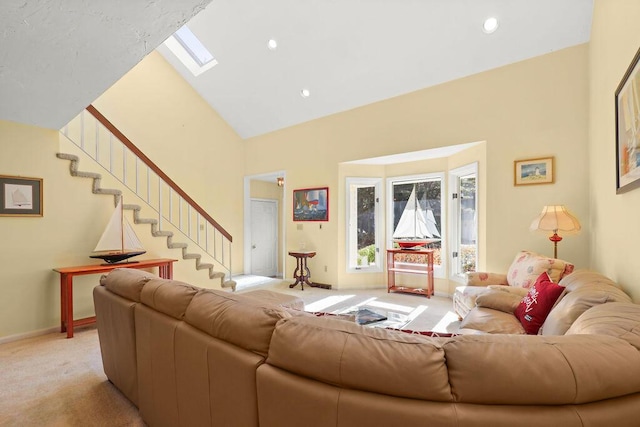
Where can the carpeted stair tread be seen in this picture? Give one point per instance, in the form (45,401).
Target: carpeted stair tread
(204,266)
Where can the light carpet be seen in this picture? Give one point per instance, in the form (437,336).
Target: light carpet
(54,381)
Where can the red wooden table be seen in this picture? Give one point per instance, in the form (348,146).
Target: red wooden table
(423,266)
(165,270)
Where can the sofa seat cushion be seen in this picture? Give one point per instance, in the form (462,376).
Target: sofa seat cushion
(618,319)
(527,267)
(492,321)
(576,302)
(499,300)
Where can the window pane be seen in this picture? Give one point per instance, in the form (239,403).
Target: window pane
(468,219)
(366,220)
(417,212)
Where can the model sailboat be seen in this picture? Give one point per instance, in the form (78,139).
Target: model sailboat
(416,227)
(119,241)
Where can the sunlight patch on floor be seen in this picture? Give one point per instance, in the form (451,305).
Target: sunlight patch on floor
(446,320)
(322,304)
(417,312)
(390,306)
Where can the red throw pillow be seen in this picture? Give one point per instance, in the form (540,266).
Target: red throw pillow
(537,304)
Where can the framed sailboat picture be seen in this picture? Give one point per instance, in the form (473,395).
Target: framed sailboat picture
(311,204)
(20,196)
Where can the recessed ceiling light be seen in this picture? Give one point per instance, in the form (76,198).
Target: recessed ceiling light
(272,44)
(490,25)
(305,93)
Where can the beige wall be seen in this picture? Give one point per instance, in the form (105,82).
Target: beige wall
(33,246)
(525,110)
(164,117)
(615,232)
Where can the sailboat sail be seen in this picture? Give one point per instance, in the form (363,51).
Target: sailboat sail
(19,199)
(416,224)
(118,241)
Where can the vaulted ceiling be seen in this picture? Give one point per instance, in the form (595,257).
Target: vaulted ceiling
(58,56)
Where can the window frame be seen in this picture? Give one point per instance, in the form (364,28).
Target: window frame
(454,215)
(375,182)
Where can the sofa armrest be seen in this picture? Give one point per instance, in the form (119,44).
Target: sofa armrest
(486,279)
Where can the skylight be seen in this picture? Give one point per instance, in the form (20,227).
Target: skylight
(190,51)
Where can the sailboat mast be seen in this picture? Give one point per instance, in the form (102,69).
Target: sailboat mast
(415,211)
(121,225)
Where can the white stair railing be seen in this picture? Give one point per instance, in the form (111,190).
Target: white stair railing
(116,154)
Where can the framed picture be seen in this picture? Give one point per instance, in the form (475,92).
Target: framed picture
(311,204)
(627,129)
(533,171)
(20,196)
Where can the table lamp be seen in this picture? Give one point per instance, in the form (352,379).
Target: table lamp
(555,218)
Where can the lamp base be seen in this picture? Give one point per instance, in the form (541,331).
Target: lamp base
(555,239)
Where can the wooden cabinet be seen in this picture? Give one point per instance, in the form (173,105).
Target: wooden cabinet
(408,261)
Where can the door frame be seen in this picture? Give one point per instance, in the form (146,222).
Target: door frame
(247,218)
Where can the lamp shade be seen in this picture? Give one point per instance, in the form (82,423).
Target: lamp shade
(555,218)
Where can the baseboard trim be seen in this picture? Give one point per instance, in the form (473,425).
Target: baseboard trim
(31,334)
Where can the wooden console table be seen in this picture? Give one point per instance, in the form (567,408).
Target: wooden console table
(425,268)
(302,272)
(165,270)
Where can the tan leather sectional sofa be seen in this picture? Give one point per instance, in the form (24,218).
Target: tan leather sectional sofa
(583,289)
(189,357)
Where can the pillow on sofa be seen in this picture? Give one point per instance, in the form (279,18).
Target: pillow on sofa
(577,302)
(499,300)
(536,305)
(527,266)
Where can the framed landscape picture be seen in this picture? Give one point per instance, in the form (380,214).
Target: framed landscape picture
(20,196)
(533,171)
(628,129)
(311,204)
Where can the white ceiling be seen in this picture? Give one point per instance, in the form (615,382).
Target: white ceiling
(57,56)
(349,53)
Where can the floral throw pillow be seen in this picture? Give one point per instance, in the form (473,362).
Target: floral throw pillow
(536,305)
(527,266)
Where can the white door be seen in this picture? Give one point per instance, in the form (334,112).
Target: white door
(264,237)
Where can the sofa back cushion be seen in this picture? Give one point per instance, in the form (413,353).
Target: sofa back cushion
(169,297)
(576,302)
(350,356)
(537,370)
(126,282)
(243,321)
(618,319)
(527,266)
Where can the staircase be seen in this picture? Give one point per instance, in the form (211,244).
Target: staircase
(171,205)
